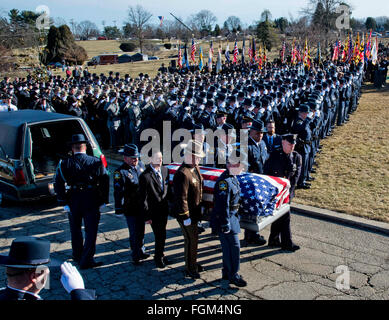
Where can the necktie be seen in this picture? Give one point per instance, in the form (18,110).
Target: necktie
(160,178)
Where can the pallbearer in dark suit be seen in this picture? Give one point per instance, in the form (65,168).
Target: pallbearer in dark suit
(88,181)
(153,191)
(284,163)
(272,140)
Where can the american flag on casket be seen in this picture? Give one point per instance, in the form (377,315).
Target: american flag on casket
(261,194)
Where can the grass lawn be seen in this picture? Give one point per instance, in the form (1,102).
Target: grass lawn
(353,173)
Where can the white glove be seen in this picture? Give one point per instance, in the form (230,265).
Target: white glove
(66,208)
(317,113)
(71,279)
(310,115)
(187,222)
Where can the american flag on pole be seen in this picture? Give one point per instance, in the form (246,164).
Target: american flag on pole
(161,20)
(192,53)
(261,194)
(179,56)
(236,52)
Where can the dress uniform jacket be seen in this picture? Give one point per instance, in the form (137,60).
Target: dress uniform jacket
(9,294)
(187,192)
(87,178)
(89,188)
(226,204)
(126,189)
(257,156)
(286,166)
(302,129)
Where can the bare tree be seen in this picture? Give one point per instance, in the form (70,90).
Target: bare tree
(232,23)
(203,21)
(87,29)
(59,21)
(266,15)
(138,18)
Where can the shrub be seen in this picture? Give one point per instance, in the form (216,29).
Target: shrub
(127,46)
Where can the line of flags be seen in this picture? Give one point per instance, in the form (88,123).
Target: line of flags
(346,51)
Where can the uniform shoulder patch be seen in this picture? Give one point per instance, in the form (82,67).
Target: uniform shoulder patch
(117,175)
(223,185)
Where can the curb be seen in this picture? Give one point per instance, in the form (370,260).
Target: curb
(337,217)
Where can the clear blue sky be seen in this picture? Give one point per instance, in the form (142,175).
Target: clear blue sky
(116,10)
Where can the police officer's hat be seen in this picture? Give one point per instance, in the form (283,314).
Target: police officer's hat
(246,118)
(130,150)
(78,138)
(209,104)
(221,97)
(29,252)
(258,125)
(221,112)
(291,138)
(197,127)
(247,102)
(304,108)
(229,129)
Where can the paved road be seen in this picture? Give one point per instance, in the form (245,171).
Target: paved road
(309,273)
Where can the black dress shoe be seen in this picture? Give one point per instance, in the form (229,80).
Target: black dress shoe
(166,261)
(225,277)
(160,263)
(200,229)
(193,275)
(92,265)
(136,262)
(312,171)
(239,282)
(144,256)
(311,179)
(291,248)
(274,243)
(259,241)
(200,268)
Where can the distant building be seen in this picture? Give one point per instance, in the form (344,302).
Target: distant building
(139,57)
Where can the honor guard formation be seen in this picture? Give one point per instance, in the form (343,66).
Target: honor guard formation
(286,110)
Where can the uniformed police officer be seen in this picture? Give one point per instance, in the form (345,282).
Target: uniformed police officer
(87,182)
(257,156)
(187,197)
(301,127)
(284,163)
(225,218)
(127,200)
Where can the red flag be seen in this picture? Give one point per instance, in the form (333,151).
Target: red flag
(236,52)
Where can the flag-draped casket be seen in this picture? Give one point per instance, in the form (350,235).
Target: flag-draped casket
(262,195)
